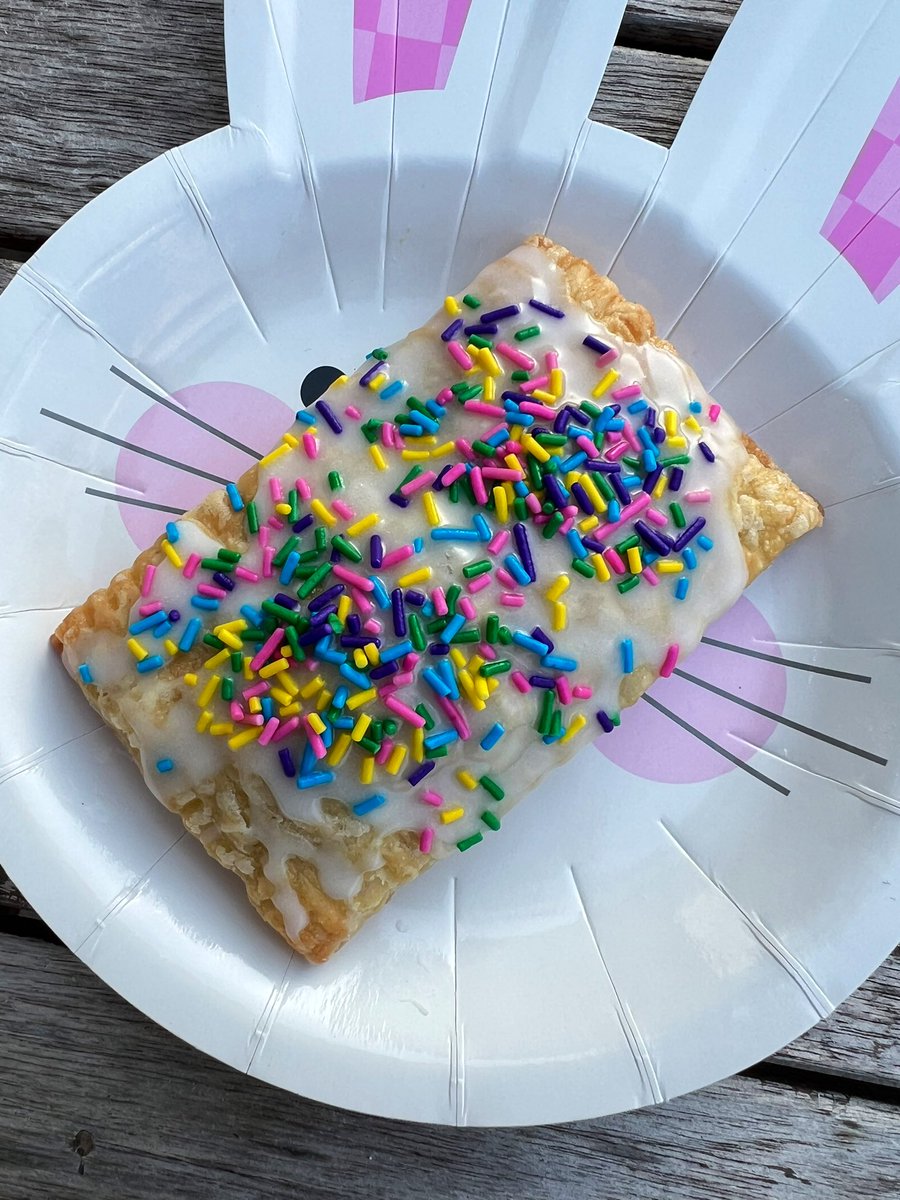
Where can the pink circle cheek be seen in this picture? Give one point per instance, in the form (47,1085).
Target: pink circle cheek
(247,414)
(652,746)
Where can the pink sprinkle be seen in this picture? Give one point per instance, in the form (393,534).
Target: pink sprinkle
(146,609)
(479,406)
(410,661)
(505,578)
(254,719)
(457,352)
(263,536)
(629,392)
(465,448)
(512,599)
(454,473)
(403,710)
(668,665)
(564,690)
(385,752)
(467,608)
(478,488)
(632,437)
(518,357)
(387,434)
(312,665)
(354,579)
(310,445)
(256,690)
(457,720)
(268,555)
(343,510)
(244,573)
(444,396)
(615,560)
(582,692)
(362,601)
(318,746)
(537,410)
(510,473)
(420,481)
(433,798)
(701,497)
(520,682)
(656,517)
(267,649)
(207,589)
(372,626)
(498,541)
(567,524)
(147,581)
(487,651)
(271,728)
(402,679)
(650,576)
(304,491)
(426,841)
(532,503)
(551,358)
(530,384)
(237,713)
(190,567)
(714,410)
(287,728)
(641,501)
(276,489)
(275,523)
(609,357)
(390,560)
(584,443)
(352,412)
(439,600)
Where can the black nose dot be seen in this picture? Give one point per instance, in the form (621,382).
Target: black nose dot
(317,382)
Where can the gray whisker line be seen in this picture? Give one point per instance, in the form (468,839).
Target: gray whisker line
(773,716)
(707,741)
(178,512)
(787,662)
(117,441)
(182,412)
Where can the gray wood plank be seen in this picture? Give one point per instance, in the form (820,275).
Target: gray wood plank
(8,268)
(162,1120)
(88,92)
(692,27)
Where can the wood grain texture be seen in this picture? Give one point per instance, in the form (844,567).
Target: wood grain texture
(691,27)
(163,1120)
(647,93)
(8,268)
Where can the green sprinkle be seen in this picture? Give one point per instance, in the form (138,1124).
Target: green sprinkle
(498,667)
(520,376)
(484,449)
(293,641)
(471,301)
(604,487)
(368,744)
(465,636)
(552,526)
(472,392)
(308,587)
(436,752)
(257,635)
(289,546)
(321,538)
(535,473)
(413,402)
(482,343)
(409,477)
(616,718)
(677,515)
(274,609)
(237,660)
(634,463)
(504,635)
(252,517)
(376,731)
(456,388)
(579,565)
(227,689)
(492,629)
(631,581)
(343,546)
(626,544)
(453,492)
(425,713)
(390,727)
(545,713)
(453,594)
(230,556)
(552,441)
(473,570)
(677,460)
(530,331)
(294,502)
(215,564)
(380,353)
(436,624)
(337,626)
(556,725)
(335,481)
(416,633)
(210,639)
(591,409)
(469,842)
(491,820)
(520,508)
(371,430)
(308,556)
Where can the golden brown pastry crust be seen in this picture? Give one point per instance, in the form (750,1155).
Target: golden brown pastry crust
(770,512)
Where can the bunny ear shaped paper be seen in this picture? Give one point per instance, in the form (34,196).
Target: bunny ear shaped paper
(154,348)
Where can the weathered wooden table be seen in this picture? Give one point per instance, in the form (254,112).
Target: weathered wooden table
(97,1101)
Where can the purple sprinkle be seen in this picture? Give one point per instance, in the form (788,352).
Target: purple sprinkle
(560,422)
(325,598)
(653,539)
(650,418)
(420,772)
(482,329)
(675,477)
(359,641)
(579,417)
(366,379)
(620,489)
(321,615)
(223,581)
(287,763)
(592,544)
(659,435)
(605,468)
(174,616)
(286,601)
(594,343)
(706,452)
(516,397)
(416,599)
(398,613)
(688,534)
(383,670)
(582,499)
(546,308)
(310,637)
(605,722)
(353,623)
(553,488)
(438,485)
(538,634)
(376,551)
(328,416)
(500,314)
(541,681)
(303,523)
(400,501)
(520,533)
(452,330)
(437,648)
(652,480)
(336,555)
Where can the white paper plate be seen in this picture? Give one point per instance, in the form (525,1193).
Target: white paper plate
(640,929)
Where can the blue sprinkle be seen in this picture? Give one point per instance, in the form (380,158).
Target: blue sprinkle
(341,696)
(409,430)
(361,807)
(695,406)
(690,558)
(327,652)
(440,739)
(418,545)
(164,764)
(172,532)
(638,406)
(445,534)
(515,568)
(498,438)
(433,679)
(397,651)
(529,643)
(252,615)
(152,663)
(204,602)
(521,488)
(614,511)
(268,707)
(289,567)
(162,629)
(344,722)
(681,587)
(315,779)
(380,593)
(492,737)
(355,677)
(573,537)
(148,622)
(627,656)
(392,389)
(572,462)
(234,496)
(482,528)
(448,672)
(632,481)
(559,662)
(646,437)
(306,418)
(704,542)
(452,628)
(85,672)
(192,629)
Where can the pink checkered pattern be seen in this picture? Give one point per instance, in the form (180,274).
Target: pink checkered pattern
(864,222)
(404,45)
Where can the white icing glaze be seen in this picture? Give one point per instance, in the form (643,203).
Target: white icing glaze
(163,710)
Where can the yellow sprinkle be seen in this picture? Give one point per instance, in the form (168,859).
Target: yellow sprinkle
(601,570)
(322,512)
(344,605)
(360,698)
(586,524)
(248,674)
(358,732)
(323,699)
(396,760)
(670,421)
(577,724)
(367,769)
(475,663)
(429,440)
(363,524)
(340,379)
(515,432)
(513,463)
(493,683)
(535,449)
(559,585)
(452,814)
(289,683)
(467,780)
(231,639)
(171,554)
(510,493)
(359,658)
(442,450)
(171,648)
(605,382)
(283,509)
(209,691)
(635,563)
(544,396)
(431,509)
(244,737)
(661,486)
(467,683)
(489,395)
(137,649)
(273,668)
(377,457)
(190,679)
(593,495)
(458,657)
(316,724)
(481,687)
(560,615)
(501,507)
(665,566)
(290,440)
(693,425)
(379,381)
(237,626)
(371,653)
(217,660)
(557,383)
(489,363)
(220,728)
(418,745)
(204,721)
(415,455)
(314,685)
(286,652)
(274,455)
(280,696)
(255,704)
(290,710)
(451,306)
(339,749)
(422,575)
